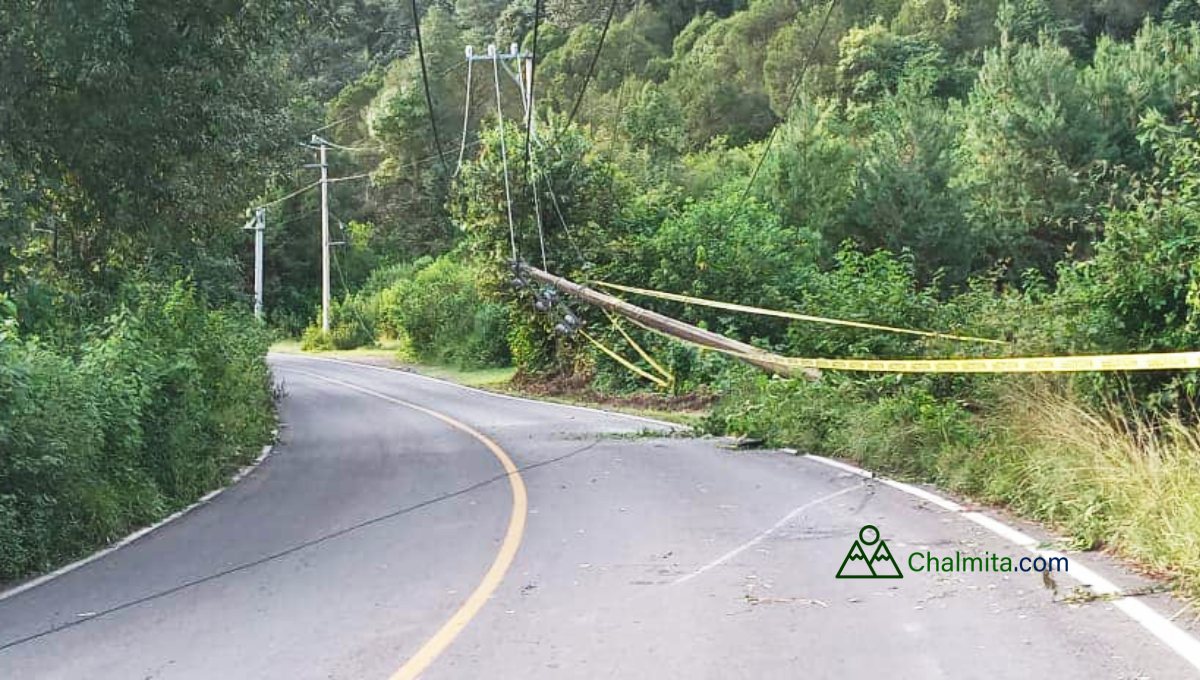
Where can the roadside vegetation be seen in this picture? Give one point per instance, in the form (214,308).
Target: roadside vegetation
(151,412)
(132,373)
(1023,171)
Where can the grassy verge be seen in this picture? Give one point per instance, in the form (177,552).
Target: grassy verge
(385,354)
(501,380)
(617,403)
(1101,478)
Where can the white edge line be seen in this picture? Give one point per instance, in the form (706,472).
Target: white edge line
(1177,639)
(498,395)
(113,547)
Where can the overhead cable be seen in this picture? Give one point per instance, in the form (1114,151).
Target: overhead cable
(462,147)
(437,140)
(612,8)
(799,81)
(295,193)
(688,299)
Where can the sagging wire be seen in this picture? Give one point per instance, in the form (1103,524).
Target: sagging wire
(437,140)
(537,206)
(612,8)
(462,147)
(585,266)
(337,264)
(531,167)
(791,99)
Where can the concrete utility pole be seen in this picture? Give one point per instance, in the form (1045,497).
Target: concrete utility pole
(324,233)
(668,326)
(258,224)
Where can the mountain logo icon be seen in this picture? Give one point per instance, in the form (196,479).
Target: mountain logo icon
(880,564)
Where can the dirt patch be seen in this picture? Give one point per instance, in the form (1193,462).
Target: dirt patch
(577,388)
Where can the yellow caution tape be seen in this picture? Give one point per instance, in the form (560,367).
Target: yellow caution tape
(638,348)
(687,299)
(1068,364)
(1163,361)
(625,362)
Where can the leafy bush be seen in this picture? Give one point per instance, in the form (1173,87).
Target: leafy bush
(152,413)
(316,340)
(446,318)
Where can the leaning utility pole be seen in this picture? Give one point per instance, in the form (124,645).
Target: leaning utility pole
(667,326)
(324,233)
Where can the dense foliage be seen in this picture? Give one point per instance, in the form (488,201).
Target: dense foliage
(1023,170)
(158,406)
(960,169)
(1020,169)
(133,136)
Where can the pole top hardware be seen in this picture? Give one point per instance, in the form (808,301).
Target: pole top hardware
(494,53)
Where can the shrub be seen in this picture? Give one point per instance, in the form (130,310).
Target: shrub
(150,414)
(316,340)
(444,314)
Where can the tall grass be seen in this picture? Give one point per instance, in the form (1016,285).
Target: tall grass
(1112,477)
(1106,477)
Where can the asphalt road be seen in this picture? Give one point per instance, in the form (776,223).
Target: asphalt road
(381,540)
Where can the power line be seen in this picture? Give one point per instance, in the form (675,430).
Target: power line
(530,172)
(335,180)
(356,149)
(329,125)
(791,99)
(462,147)
(295,548)
(349,298)
(437,140)
(295,193)
(537,20)
(612,8)
(583,262)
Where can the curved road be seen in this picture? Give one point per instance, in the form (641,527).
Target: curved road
(382,540)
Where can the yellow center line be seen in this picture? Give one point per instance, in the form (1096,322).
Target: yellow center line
(467,611)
